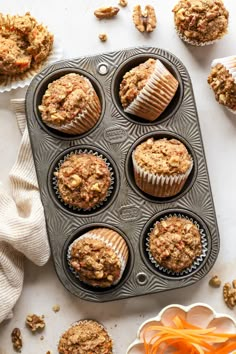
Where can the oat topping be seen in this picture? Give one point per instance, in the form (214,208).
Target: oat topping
(35,322)
(67,98)
(83,180)
(106,12)
(134,81)
(201,20)
(163,156)
(223,85)
(144,20)
(215,281)
(229,294)
(103,37)
(123,3)
(23,43)
(175,243)
(86,337)
(16,339)
(95,262)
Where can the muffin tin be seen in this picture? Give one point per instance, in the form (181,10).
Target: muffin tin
(127,210)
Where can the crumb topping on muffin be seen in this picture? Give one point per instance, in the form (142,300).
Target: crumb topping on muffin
(134,81)
(163,156)
(85,337)
(67,98)
(175,243)
(23,43)
(95,261)
(83,180)
(201,20)
(223,85)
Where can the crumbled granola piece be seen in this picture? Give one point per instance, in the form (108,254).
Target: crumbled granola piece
(215,281)
(106,12)
(16,339)
(103,37)
(56,308)
(41,337)
(35,322)
(49,352)
(145,21)
(229,293)
(123,3)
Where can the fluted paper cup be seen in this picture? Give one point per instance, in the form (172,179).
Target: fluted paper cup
(156,95)
(194,42)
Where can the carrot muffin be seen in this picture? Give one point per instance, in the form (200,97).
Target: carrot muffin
(222,80)
(161,167)
(99,257)
(70,104)
(83,180)
(146,90)
(175,243)
(200,22)
(23,43)
(85,337)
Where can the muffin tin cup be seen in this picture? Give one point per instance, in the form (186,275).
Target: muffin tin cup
(155,96)
(111,240)
(158,185)
(197,262)
(83,151)
(196,43)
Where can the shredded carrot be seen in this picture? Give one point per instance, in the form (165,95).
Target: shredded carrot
(185,338)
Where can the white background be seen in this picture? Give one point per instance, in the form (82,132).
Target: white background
(74,23)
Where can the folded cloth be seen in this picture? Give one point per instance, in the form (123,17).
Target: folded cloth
(22,222)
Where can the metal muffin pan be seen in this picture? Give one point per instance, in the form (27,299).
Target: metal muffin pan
(127,210)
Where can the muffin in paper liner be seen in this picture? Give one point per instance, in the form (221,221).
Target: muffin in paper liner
(229,64)
(86,120)
(111,239)
(197,261)
(91,152)
(8,83)
(159,185)
(88,321)
(156,95)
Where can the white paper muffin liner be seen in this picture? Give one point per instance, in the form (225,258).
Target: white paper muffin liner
(8,83)
(116,247)
(196,43)
(159,185)
(155,96)
(85,120)
(230,65)
(78,152)
(196,263)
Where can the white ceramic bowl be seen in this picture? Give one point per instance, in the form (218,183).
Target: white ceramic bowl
(197,314)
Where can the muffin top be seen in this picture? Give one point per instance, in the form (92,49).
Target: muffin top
(201,20)
(67,98)
(134,81)
(94,260)
(85,337)
(223,85)
(23,43)
(175,242)
(163,156)
(83,180)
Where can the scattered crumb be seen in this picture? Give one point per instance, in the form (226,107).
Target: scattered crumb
(16,339)
(215,281)
(35,322)
(42,338)
(123,3)
(115,325)
(49,352)
(102,37)
(56,308)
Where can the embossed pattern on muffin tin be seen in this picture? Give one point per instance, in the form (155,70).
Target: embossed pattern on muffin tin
(130,211)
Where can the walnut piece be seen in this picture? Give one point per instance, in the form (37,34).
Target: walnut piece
(229,294)
(56,308)
(35,322)
(106,12)
(102,37)
(145,21)
(123,3)
(215,281)
(16,339)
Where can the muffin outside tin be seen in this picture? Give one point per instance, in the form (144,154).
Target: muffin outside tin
(129,209)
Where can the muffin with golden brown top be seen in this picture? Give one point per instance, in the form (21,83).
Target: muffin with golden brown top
(146,90)
(70,105)
(161,167)
(222,80)
(175,243)
(99,257)
(83,181)
(85,337)
(201,22)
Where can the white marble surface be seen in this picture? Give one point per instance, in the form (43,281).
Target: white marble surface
(73,22)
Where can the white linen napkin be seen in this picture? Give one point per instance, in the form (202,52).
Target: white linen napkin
(22,223)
